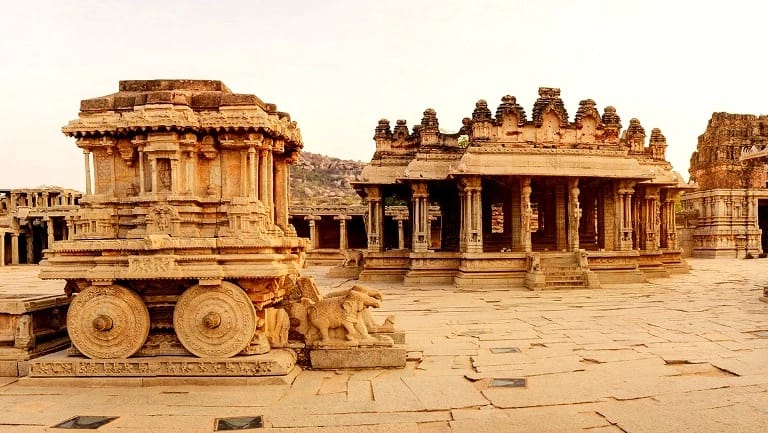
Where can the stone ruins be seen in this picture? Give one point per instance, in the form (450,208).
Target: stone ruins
(728,212)
(182,244)
(31,219)
(510,200)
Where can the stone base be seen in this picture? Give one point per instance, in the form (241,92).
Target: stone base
(362,357)
(275,363)
(382,275)
(437,276)
(490,280)
(30,326)
(344,272)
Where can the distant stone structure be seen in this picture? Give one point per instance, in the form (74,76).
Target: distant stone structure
(727,214)
(537,202)
(331,229)
(31,219)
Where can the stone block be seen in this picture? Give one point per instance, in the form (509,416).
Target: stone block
(275,363)
(361,357)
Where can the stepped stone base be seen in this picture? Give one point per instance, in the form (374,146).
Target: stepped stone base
(275,363)
(362,357)
(344,272)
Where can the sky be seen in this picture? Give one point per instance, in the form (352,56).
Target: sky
(339,66)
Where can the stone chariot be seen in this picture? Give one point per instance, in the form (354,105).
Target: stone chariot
(182,243)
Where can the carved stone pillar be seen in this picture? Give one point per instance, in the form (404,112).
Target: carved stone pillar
(375,219)
(472,215)
(313,238)
(624,215)
(401,219)
(527,213)
(649,224)
(264,173)
(420,220)
(30,248)
(14,248)
(2,248)
(192,173)
(142,187)
(70,228)
(280,205)
(668,227)
(574,214)
(343,237)
(174,176)
(87,163)
(153,174)
(49,229)
(252,181)
(561,236)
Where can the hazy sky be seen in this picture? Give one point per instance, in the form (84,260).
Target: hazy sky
(340,66)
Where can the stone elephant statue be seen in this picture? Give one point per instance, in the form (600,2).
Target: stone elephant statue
(345,312)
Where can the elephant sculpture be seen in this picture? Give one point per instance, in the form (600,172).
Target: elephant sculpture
(342,312)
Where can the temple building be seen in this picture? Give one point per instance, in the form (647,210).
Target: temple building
(330,229)
(539,201)
(729,210)
(31,219)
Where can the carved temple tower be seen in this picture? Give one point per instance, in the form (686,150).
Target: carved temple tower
(730,206)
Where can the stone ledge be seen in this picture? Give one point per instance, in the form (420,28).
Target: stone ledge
(278,362)
(361,357)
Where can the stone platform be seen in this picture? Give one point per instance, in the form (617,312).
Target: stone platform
(31,325)
(275,363)
(685,353)
(362,357)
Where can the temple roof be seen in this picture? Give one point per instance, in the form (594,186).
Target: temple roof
(180,105)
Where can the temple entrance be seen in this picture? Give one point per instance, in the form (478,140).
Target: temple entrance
(762,221)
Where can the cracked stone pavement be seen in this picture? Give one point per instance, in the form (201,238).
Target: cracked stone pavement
(686,353)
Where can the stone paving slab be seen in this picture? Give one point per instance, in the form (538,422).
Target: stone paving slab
(686,353)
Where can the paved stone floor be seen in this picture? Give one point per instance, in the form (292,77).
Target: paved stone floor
(683,354)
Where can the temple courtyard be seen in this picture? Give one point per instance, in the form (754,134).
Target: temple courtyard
(686,353)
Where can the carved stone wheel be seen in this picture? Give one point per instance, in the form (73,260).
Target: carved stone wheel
(108,322)
(214,321)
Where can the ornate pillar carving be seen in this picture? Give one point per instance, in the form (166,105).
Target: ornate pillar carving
(401,218)
(153,174)
(280,194)
(472,214)
(264,173)
(252,182)
(527,213)
(561,235)
(625,190)
(574,214)
(375,219)
(142,187)
(668,227)
(313,239)
(174,175)
(420,220)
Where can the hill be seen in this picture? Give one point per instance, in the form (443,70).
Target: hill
(318,179)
